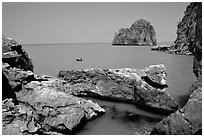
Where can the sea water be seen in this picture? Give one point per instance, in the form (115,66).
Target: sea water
(49,59)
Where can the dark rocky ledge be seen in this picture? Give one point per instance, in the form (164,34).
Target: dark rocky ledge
(124,85)
(140,33)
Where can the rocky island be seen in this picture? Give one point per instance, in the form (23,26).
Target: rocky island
(140,33)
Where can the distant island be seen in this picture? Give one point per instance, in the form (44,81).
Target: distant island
(140,33)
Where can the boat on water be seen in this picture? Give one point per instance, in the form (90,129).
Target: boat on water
(79,59)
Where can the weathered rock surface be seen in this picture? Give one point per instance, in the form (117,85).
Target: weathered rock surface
(14,55)
(189,30)
(45,108)
(35,104)
(140,33)
(188,120)
(124,85)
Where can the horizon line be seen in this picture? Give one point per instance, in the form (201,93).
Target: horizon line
(77,43)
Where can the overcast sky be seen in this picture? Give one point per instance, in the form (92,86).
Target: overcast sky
(86,22)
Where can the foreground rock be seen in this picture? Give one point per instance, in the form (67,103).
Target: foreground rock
(35,104)
(186,121)
(44,108)
(140,33)
(143,87)
(14,55)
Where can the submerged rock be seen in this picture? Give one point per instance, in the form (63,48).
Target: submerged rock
(140,33)
(123,85)
(14,55)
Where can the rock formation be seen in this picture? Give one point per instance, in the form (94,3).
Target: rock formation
(188,120)
(124,85)
(35,104)
(14,55)
(140,33)
(189,30)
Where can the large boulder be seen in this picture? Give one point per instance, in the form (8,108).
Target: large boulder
(140,33)
(44,108)
(143,87)
(14,55)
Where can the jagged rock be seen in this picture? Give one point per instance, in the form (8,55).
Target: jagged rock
(16,76)
(45,108)
(140,33)
(123,85)
(186,121)
(189,31)
(14,55)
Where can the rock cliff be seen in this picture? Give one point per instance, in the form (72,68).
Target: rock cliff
(140,33)
(188,120)
(189,30)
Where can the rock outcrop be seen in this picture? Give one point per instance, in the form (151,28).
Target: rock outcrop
(140,33)
(35,104)
(14,55)
(189,30)
(143,87)
(188,120)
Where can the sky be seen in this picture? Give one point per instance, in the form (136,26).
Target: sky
(86,22)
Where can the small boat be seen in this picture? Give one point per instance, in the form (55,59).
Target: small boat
(79,59)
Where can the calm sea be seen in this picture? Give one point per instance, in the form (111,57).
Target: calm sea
(49,59)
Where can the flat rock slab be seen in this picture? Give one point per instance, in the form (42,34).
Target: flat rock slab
(123,85)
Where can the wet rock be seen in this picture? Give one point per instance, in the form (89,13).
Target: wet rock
(45,109)
(14,55)
(140,33)
(123,85)
(186,121)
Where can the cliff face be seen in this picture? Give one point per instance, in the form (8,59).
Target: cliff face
(140,33)
(188,120)
(189,29)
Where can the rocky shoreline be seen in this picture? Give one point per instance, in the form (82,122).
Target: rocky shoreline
(44,105)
